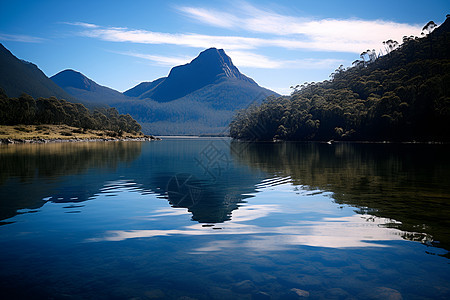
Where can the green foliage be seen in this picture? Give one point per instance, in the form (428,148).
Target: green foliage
(404,95)
(28,111)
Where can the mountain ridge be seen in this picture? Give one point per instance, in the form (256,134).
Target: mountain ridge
(82,87)
(19,76)
(143,87)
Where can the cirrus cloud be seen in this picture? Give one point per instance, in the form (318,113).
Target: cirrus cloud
(21,38)
(160,60)
(114,34)
(253,60)
(346,35)
(352,36)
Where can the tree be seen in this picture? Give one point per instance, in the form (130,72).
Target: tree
(390,45)
(426,30)
(363,56)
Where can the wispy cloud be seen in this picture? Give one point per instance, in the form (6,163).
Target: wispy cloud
(253,60)
(82,24)
(353,36)
(159,59)
(20,38)
(114,34)
(348,35)
(211,17)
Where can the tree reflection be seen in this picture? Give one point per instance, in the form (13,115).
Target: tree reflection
(405,182)
(30,172)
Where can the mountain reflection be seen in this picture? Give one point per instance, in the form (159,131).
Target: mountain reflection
(30,173)
(405,182)
(206,203)
(209,190)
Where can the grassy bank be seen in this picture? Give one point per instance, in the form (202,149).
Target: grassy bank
(60,132)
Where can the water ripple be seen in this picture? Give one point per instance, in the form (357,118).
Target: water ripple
(272,182)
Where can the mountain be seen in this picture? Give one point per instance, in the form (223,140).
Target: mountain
(209,67)
(19,76)
(81,87)
(196,98)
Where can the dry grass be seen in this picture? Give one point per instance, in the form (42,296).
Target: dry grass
(28,132)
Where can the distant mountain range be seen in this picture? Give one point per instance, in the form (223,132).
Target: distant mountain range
(196,98)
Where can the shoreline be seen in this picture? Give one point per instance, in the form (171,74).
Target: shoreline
(331,142)
(11,141)
(76,140)
(49,133)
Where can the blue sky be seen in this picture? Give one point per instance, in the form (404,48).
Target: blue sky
(278,43)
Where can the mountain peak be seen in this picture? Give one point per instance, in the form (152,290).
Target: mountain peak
(213,54)
(218,60)
(77,84)
(72,78)
(210,66)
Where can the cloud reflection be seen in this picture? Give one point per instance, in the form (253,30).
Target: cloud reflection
(341,232)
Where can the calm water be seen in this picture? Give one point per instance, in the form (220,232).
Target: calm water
(215,219)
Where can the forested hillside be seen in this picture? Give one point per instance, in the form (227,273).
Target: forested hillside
(402,95)
(26,110)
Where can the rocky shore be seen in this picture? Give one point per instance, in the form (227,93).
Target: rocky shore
(77,140)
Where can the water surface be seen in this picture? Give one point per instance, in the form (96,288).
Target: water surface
(215,219)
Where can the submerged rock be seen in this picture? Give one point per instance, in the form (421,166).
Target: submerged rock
(384,293)
(299,293)
(245,286)
(155,294)
(337,293)
(261,296)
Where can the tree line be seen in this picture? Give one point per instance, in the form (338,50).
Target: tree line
(29,111)
(401,95)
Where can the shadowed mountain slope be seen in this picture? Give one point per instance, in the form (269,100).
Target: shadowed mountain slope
(19,76)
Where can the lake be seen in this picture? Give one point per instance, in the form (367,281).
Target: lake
(220,219)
